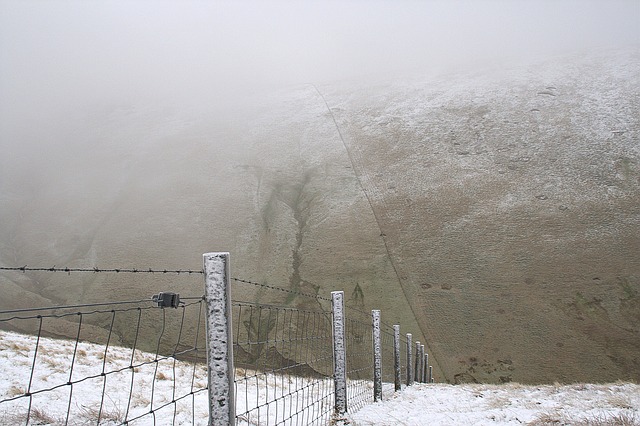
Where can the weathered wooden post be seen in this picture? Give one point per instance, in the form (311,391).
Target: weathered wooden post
(409,359)
(396,359)
(377,356)
(339,353)
(220,369)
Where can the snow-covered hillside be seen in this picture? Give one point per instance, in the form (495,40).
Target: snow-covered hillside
(420,404)
(493,213)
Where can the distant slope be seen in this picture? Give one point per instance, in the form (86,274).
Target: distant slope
(510,202)
(495,212)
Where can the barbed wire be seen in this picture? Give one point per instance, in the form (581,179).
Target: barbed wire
(285,290)
(95,270)
(68,270)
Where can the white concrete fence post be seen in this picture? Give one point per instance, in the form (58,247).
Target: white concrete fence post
(397,377)
(409,359)
(425,367)
(220,369)
(421,359)
(339,352)
(418,357)
(377,356)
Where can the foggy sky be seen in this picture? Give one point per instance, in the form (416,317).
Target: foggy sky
(65,55)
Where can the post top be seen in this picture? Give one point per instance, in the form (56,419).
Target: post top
(216,254)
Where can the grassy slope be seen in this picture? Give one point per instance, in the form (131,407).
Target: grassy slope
(511,206)
(506,203)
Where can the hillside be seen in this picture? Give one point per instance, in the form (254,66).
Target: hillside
(494,212)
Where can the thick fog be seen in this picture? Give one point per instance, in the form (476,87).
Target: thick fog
(65,54)
(64,63)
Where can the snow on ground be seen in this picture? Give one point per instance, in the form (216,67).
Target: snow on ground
(148,387)
(138,388)
(508,404)
(129,392)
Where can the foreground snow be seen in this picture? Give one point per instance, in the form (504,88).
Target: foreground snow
(133,393)
(510,404)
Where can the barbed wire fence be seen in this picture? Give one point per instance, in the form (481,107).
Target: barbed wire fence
(204,359)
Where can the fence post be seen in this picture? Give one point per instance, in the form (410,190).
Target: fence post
(396,358)
(422,364)
(377,356)
(219,340)
(418,362)
(339,354)
(409,359)
(431,374)
(425,365)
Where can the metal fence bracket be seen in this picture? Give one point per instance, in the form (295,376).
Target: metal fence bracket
(166,300)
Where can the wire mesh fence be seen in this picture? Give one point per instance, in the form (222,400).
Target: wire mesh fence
(283,365)
(118,363)
(359,359)
(148,361)
(388,359)
(404,371)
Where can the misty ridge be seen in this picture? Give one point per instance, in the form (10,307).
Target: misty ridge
(473,167)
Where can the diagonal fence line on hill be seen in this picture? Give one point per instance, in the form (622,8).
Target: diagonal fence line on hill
(376,217)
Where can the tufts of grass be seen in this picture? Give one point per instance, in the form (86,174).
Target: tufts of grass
(557,418)
(620,401)
(113,415)
(548,418)
(620,419)
(7,418)
(162,376)
(19,347)
(140,399)
(498,402)
(41,417)
(15,391)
